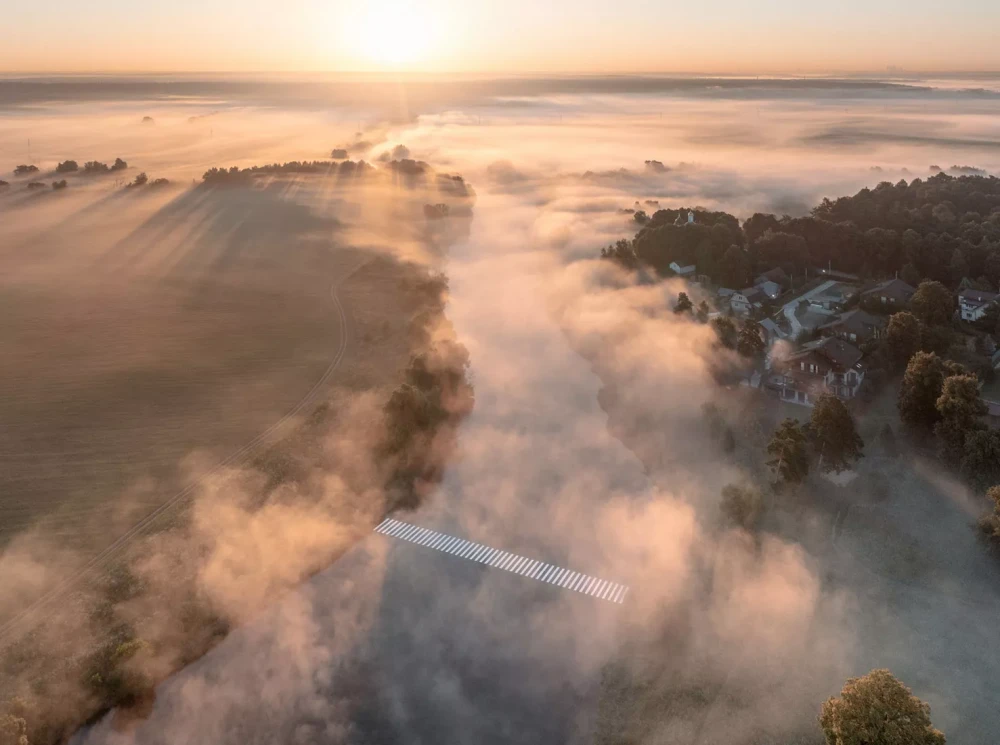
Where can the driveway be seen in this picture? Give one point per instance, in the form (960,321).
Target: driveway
(789,308)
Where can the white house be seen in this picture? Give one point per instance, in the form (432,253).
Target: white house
(744,301)
(974,303)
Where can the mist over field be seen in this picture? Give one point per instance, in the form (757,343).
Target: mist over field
(151,334)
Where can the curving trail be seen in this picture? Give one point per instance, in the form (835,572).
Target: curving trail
(24,618)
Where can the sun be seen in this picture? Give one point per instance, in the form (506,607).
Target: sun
(393,33)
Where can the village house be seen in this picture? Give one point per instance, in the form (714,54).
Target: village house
(834,298)
(770,331)
(748,300)
(828,365)
(856,326)
(973,304)
(682,271)
(772,283)
(893,293)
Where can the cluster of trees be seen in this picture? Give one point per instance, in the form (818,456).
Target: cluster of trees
(237,175)
(943,228)
(830,438)
(24,170)
(96,168)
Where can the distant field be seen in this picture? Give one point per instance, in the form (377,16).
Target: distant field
(140,353)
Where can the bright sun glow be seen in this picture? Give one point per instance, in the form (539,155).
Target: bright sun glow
(393,33)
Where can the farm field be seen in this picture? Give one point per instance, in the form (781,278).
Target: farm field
(147,340)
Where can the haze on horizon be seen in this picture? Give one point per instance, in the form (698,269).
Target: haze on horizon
(516,36)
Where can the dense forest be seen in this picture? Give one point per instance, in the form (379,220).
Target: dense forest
(943,228)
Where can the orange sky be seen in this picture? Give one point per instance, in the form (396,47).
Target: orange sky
(500,36)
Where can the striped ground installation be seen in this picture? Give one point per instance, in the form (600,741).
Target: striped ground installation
(494,557)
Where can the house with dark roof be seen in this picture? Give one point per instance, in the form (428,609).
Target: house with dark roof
(893,293)
(856,326)
(829,365)
(776,275)
(747,300)
(973,304)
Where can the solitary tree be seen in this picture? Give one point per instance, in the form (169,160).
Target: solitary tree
(834,434)
(959,408)
(725,329)
(877,709)
(702,312)
(742,505)
(902,338)
(750,344)
(789,452)
(67,166)
(684,304)
(932,303)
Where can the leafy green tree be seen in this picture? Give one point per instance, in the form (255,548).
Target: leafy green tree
(750,344)
(910,274)
(981,458)
(834,434)
(902,338)
(877,709)
(990,523)
(735,268)
(921,388)
(789,452)
(959,408)
(725,329)
(742,505)
(622,253)
(683,304)
(932,303)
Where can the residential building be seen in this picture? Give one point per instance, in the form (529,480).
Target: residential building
(856,326)
(682,271)
(771,289)
(893,293)
(973,304)
(829,365)
(777,276)
(747,300)
(833,299)
(770,331)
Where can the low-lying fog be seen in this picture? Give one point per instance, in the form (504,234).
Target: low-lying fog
(538,471)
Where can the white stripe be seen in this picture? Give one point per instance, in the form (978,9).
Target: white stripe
(410,532)
(428,538)
(515,563)
(396,527)
(467,550)
(462,546)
